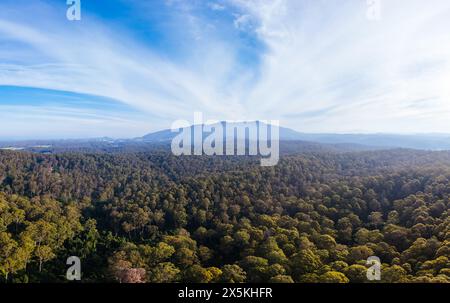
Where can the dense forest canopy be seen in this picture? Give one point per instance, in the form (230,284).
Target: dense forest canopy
(148,216)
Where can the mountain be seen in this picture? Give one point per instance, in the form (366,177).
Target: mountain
(286,134)
(374,141)
(291,142)
(422,141)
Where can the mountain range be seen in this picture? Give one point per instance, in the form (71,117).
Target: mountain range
(290,139)
(376,141)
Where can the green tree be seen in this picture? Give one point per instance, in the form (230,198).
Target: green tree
(233,273)
(303,262)
(333,277)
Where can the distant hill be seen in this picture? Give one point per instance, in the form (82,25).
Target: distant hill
(286,134)
(375,141)
(291,142)
(422,141)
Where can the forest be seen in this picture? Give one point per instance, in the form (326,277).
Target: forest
(137,216)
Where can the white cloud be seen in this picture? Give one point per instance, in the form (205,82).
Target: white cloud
(243,22)
(216,6)
(325,68)
(87,57)
(328,55)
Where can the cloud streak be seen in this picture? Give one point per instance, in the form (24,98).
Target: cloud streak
(328,54)
(317,66)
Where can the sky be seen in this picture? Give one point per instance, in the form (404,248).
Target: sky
(130,67)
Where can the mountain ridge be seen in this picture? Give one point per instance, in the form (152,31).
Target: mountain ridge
(376,140)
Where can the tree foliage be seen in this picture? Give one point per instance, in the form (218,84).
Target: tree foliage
(151,217)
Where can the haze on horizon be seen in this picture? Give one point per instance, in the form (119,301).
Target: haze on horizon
(131,67)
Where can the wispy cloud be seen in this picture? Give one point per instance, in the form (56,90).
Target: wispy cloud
(328,54)
(318,66)
(90,58)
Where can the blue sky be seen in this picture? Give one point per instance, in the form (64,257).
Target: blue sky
(129,67)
